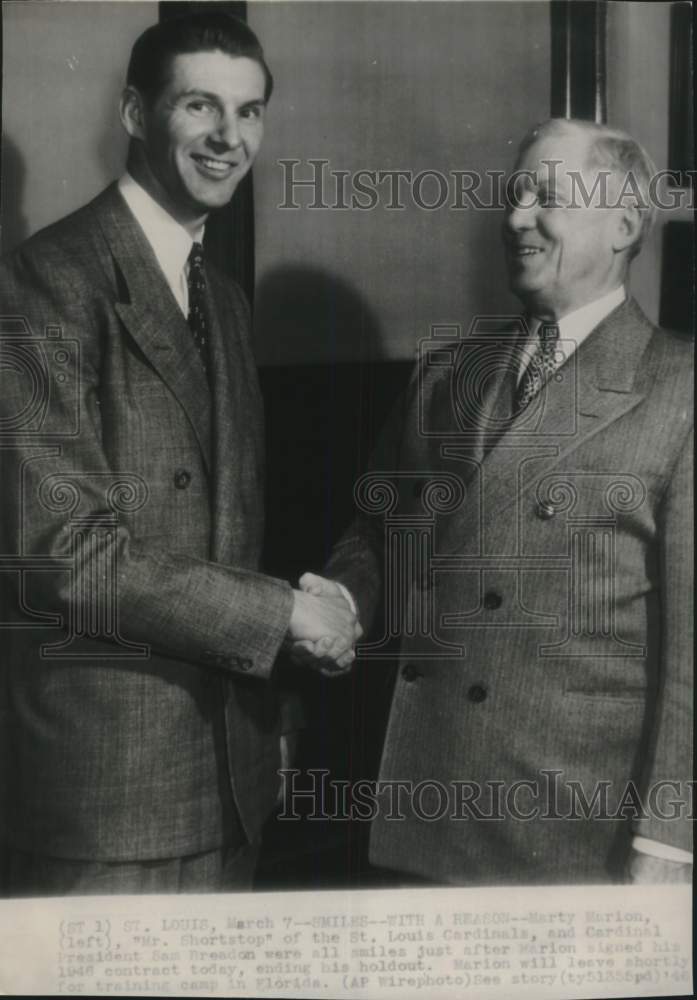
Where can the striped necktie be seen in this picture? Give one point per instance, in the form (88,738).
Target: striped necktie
(543,363)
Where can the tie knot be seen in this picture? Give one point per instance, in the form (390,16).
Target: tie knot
(541,362)
(548,332)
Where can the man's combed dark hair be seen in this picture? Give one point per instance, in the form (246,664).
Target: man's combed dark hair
(206,31)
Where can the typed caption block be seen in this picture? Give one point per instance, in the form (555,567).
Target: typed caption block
(504,942)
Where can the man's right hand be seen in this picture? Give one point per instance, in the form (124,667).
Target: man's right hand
(323,629)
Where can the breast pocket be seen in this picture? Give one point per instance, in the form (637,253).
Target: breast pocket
(618,679)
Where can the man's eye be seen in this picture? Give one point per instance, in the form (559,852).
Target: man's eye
(253,111)
(523,198)
(549,199)
(201,107)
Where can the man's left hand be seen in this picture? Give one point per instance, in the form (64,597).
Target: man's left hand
(322,654)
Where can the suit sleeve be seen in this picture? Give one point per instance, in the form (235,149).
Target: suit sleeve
(668,783)
(185,607)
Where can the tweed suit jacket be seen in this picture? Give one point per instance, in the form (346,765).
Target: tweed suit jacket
(545,644)
(134,742)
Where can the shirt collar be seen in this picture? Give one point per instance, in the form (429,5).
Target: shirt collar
(576,325)
(169,240)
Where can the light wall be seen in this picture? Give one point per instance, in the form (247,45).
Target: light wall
(387,86)
(63,69)
(381,86)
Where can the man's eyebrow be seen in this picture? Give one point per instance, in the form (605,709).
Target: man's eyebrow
(195,92)
(207,95)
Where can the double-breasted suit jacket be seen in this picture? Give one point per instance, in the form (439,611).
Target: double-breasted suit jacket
(139,717)
(543,607)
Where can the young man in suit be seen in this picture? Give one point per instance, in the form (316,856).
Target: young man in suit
(543,704)
(140,719)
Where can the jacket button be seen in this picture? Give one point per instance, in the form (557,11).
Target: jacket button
(545,511)
(410,673)
(492,600)
(182,478)
(244,664)
(477,693)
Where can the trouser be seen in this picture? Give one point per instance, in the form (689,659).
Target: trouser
(227,869)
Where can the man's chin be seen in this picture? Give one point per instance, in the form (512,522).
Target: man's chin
(522,287)
(212,197)
(530,296)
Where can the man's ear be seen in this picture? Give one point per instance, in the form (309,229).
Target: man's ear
(131,111)
(627,228)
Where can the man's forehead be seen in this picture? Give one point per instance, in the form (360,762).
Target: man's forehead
(213,70)
(556,154)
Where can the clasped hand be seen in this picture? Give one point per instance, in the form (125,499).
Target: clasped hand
(323,627)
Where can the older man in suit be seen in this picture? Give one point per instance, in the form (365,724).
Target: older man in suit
(140,715)
(535,486)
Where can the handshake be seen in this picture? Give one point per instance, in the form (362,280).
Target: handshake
(323,625)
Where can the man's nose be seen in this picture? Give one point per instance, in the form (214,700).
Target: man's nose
(520,215)
(227,133)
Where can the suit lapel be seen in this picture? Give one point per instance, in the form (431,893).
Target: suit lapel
(472,403)
(500,367)
(596,386)
(237,429)
(151,314)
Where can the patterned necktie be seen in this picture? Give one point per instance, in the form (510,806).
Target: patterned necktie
(198,317)
(544,361)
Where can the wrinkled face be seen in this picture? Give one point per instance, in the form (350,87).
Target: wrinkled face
(202,133)
(560,250)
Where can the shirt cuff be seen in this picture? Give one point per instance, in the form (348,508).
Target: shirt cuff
(659,850)
(349,597)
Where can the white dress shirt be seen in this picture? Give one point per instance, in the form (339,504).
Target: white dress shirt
(171,243)
(575,326)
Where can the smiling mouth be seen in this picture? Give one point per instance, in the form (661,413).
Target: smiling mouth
(517,251)
(219,167)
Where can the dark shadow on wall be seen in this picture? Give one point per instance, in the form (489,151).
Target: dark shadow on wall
(111,147)
(322,416)
(321,424)
(678,277)
(14,224)
(109,152)
(307,314)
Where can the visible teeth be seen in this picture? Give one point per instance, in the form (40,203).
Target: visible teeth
(526,251)
(214,164)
